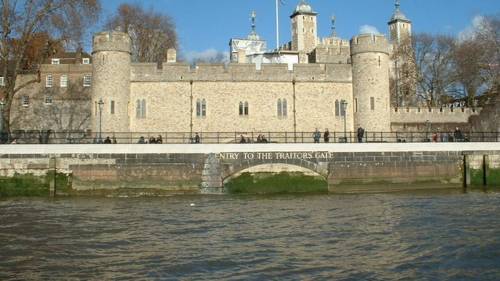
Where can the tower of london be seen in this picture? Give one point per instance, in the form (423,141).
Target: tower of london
(306,84)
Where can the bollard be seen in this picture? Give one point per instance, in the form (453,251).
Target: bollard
(466,172)
(485,170)
(52,176)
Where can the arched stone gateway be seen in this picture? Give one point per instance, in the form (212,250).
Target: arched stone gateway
(219,167)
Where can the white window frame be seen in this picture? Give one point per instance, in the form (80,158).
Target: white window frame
(64,81)
(55,61)
(85,60)
(49,81)
(25,101)
(2,81)
(48,100)
(87,80)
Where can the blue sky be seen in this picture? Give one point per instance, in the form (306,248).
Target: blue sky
(207,25)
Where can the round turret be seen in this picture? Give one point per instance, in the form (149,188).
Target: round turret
(370,78)
(111,58)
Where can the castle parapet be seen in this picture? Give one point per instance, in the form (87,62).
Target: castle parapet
(176,72)
(111,41)
(366,43)
(432,115)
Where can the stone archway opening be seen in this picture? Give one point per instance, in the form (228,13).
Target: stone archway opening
(275,178)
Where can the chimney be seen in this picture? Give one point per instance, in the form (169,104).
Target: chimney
(242,56)
(171,56)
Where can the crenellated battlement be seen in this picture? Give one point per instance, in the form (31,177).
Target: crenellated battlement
(433,114)
(369,43)
(149,72)
(111,41)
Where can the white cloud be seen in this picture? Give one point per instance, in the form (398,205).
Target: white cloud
(209,55)
(469,32)
(370,29)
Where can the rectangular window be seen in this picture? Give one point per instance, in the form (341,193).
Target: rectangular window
(48,99)
(95,108)
(86,61)
(64,81)
(112,109)
(56,61)
(372,103)
(355,105)
(49,80)
(25,101)
(87,80)
(2,81)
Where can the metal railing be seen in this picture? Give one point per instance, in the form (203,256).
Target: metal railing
(79,137)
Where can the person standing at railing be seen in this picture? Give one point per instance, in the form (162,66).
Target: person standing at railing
(316,136)
(326,136)
(196,138)
(361,134)
(459,137)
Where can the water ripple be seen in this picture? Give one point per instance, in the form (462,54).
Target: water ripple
(356,237)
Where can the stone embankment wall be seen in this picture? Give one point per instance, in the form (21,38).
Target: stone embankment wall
(191,168)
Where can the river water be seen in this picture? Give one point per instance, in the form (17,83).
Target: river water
(411,236)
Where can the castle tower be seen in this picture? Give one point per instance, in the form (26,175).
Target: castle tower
(399,26)
(304,28)
(370,82)
(111,58)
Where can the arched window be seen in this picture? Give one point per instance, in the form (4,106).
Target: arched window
(241,109)
(285,108)
(138,109)
(203,108)
(198,108)
(246,108)
(143,112)
(337,108)
(280,112)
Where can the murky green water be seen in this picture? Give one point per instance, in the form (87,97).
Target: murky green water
(412,236)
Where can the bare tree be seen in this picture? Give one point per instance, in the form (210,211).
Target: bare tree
(22,22)
(152,33)
(468,58)
(435,75)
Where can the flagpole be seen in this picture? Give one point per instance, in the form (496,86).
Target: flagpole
(277,26)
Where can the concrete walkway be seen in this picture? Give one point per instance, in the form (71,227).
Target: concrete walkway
(219,148)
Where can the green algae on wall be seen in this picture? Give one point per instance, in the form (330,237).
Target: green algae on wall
(272,183)
(29,185)
(493,179)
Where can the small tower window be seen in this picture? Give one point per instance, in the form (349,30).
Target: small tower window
(48,99)
(64,81)
(372,103)
(140,109)
(112,107)
(337,108)
(355,105)
(282,108)
(49,80)
(86,61)
(56,61)
(280,113)
(201,108)
(87,80)
(25,101)
(243,109)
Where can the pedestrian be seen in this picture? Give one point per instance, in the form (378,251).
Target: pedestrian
(316,136)
(361,134)
(159,139)
(196,138)
(326,136)
(458,135)
(141,140)
(107,140)
(242,139)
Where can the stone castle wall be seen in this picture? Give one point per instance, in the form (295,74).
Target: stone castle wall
(433,115)
(171,106)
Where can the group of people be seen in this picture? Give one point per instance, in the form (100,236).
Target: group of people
(152,140)
(260,139)
(326,135)
(457,136)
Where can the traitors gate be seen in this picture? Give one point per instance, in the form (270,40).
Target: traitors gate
(201,168)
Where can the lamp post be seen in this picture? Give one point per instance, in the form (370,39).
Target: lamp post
(101,106)
(344,113)
(2,104)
